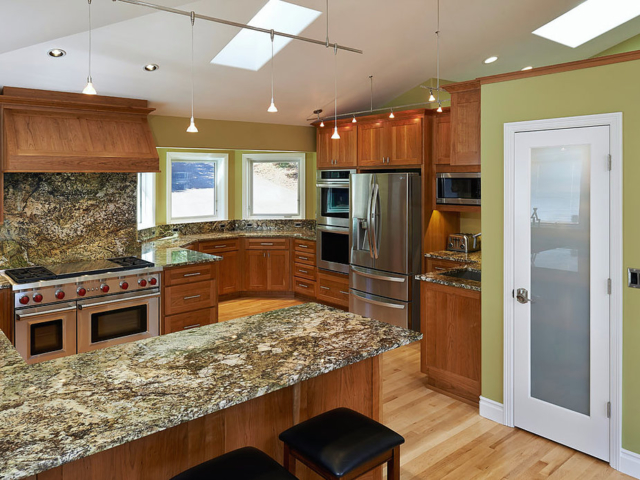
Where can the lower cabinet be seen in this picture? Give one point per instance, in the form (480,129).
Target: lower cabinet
(187,321)
(267,270)
(229,277)
(255,271)
(450,348)
(333,288)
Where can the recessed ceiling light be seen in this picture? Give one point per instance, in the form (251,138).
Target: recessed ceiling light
(152,67)
(491,59)
(251,50)
(527,68)
(56,53)
(589,20)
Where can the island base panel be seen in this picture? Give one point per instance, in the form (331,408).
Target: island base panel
(257,423)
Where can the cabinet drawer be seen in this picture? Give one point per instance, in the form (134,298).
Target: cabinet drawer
(189,274)
(333,289)
(218,246)
(308,246)
(304,287)
(190,297)
(304,271)
(306,258)
(437,265)
(187,321)
(266,243)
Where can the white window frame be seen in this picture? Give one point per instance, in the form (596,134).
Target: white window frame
(222,180)
(148,180)
(248,160)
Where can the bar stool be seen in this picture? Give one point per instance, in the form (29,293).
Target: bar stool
(246,463)
(342,444)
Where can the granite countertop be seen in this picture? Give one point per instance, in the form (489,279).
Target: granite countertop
(62,410)
(4,282)
(471,262)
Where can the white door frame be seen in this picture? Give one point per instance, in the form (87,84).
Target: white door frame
(614,121)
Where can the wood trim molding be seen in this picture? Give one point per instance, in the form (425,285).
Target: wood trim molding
(560,68)
(462,86)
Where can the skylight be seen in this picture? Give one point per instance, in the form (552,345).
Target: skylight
(589,20)
(251,50)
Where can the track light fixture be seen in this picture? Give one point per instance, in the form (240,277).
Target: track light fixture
(89,89)
(439,110)
(272,108)
(391,115)
(431,97)
(354,120)
(192,125)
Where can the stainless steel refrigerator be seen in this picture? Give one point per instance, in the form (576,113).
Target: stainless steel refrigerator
(385,221)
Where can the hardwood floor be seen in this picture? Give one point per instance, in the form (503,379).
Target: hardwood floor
(448,439)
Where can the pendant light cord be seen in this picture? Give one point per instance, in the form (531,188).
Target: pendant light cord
(371,82)
(335,84)
(327,23)
(89,79)
(193,21)
(438,51)
(272,37)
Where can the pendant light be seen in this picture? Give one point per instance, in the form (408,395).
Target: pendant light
(431,97)
(272,108)
(439,110)
(391,115)
(89,89)
(336,135)
(354,120)
(322,123)
(192,126)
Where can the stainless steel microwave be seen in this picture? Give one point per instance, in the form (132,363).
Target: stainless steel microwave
(458,188)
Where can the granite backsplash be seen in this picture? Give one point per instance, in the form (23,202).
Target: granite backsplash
(63,217)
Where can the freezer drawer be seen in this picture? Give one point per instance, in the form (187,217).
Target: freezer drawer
(395,312)
(391,285)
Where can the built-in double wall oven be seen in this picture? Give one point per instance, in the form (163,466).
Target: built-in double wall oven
(332,219)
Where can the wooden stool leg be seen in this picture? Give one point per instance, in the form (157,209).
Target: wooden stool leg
(289,462)
(393,465)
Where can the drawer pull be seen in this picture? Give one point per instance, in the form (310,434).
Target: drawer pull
(344,293)
(303,271)
(191,297)
(303,286)
(441,268)
(266,243)
(219,246)
(324,288)
(303,246)
(191,326)
(192,274)
(303,258)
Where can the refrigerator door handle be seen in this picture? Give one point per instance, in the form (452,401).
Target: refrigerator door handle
(369,221)
(373,224)
(377,303)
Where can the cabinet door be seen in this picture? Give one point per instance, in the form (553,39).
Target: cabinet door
(405,142)
(371,143)
(345,150)
(465,128)
(229,273)
(442,134)
(324,147)
(255,267)
(279,270)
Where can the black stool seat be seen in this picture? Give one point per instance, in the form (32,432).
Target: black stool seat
(341,440)
(246,463)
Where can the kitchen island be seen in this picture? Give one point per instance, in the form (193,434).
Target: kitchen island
(153,408)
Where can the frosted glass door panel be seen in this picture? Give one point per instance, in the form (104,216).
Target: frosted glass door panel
(560,274)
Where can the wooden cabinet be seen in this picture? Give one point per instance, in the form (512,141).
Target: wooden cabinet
(279,270)
(255,271)
(340,153)
(333,288)
(435,265)
(267,265)
(6,313)
(304,268)
(387,143)
(465,122)
(442,138)
(189,297)
(229,278)
(450,348)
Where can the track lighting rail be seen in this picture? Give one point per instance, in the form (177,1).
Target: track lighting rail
(324,43)
(397,108)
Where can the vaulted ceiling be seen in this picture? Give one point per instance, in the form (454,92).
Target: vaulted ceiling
(397,38)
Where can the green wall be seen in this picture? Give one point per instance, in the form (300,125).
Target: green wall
(627,46)
(421,95)
(551,96)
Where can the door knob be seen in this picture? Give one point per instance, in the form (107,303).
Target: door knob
(522,295)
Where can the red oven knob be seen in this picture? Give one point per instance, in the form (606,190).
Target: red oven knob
(81,291)
(153,281)
(124,285)
(142,282)
(37,297)
(105,288)
(24,299)
(59,294)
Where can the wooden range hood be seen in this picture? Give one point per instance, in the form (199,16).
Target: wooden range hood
(45,131)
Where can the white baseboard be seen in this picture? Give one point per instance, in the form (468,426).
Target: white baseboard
(630,463)
(492,410)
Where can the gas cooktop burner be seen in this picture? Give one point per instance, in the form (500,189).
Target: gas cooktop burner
(30,274)
(131,262)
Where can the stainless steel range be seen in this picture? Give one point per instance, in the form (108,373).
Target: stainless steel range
(79,307)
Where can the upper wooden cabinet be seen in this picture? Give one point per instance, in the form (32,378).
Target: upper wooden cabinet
(390,142)
(341,153)
(442,138)
(66,132)
(371,143)
(465,122)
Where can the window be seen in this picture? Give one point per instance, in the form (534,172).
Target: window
(273,185)
(196,187)
(146,200)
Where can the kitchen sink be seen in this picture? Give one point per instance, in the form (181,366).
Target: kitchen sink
(465,275)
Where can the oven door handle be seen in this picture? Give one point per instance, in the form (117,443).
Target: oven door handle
(91,305)
(20,316)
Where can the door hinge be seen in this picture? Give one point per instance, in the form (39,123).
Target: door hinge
(608,409)
(609,162)
(609,286)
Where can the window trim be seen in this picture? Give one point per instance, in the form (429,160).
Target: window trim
(247,159)
(152,179)
(222,181)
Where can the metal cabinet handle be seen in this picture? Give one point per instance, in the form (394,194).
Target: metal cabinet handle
(26,315)
(128,299)
(266,243)
(345,293)
(522,295)
(440,268)
(323,287)
(303,246)
(303,258)
(191,297)
(191,326)
(192,274)
(219,246)
(303,286)
(303,271)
